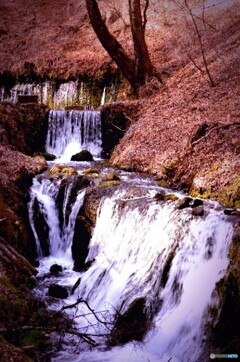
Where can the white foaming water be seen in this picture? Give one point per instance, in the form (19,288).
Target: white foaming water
(69,132)
(103,99)
(150,250)
(45,193)
(130,256)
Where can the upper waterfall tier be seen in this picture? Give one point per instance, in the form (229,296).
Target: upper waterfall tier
(70,132)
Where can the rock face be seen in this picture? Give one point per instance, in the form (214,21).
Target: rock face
(17,171)
(131,325)
(116,119)
(85,223)
(227,330)
(24,127)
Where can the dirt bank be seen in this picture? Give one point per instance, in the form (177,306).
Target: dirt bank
(188,132)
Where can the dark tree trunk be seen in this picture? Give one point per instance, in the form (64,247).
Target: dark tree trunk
(135,71)
(143,65)
(110,43)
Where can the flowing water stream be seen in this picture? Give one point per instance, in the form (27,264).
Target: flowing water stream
(141,249)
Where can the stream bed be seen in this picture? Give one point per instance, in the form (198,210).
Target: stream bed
(144,287)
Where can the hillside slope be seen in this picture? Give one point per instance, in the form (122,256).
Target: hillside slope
(188,132)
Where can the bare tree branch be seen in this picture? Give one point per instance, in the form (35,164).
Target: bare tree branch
(145,14)
(80,300)
(200,43)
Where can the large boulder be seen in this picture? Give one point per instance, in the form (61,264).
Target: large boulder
(131,325)
(84,155)
(57,291)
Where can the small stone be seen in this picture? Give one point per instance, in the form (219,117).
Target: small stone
(159,196)
(55,268)
(184,202)
(111,176)
(196,202)
(109,184)
(198,211)
(61,170)
(76,285)
(88,264)
(90,171)
(232,212)
(171,197)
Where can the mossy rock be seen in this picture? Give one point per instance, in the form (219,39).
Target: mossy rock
(202,194)
(106,184)
(61,170)
(171,197)
(89,171)
(159,196)
(46,155)
(111,176)
(237,204)
(162,183)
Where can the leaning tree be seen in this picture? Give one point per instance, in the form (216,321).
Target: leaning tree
(136,70)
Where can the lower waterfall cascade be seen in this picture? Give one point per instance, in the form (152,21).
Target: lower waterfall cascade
(135,241)
(140,249)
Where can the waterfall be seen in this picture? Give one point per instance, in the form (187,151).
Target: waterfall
(70,132)
(142,248)
(45,193)
(166,256)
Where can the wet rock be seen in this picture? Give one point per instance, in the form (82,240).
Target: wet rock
(84,155)
(168,264)
(55,268)
(109,184)
(171,197)
(159,196)
(57,291)
(131,325)
(76,285)
(85,223)
(80,243)
(46,155)
(111,176)
(88,264)
(198,211)
(233,212)
(91,171)
(184,202)
(41,227)
(196,203)
(62,170)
